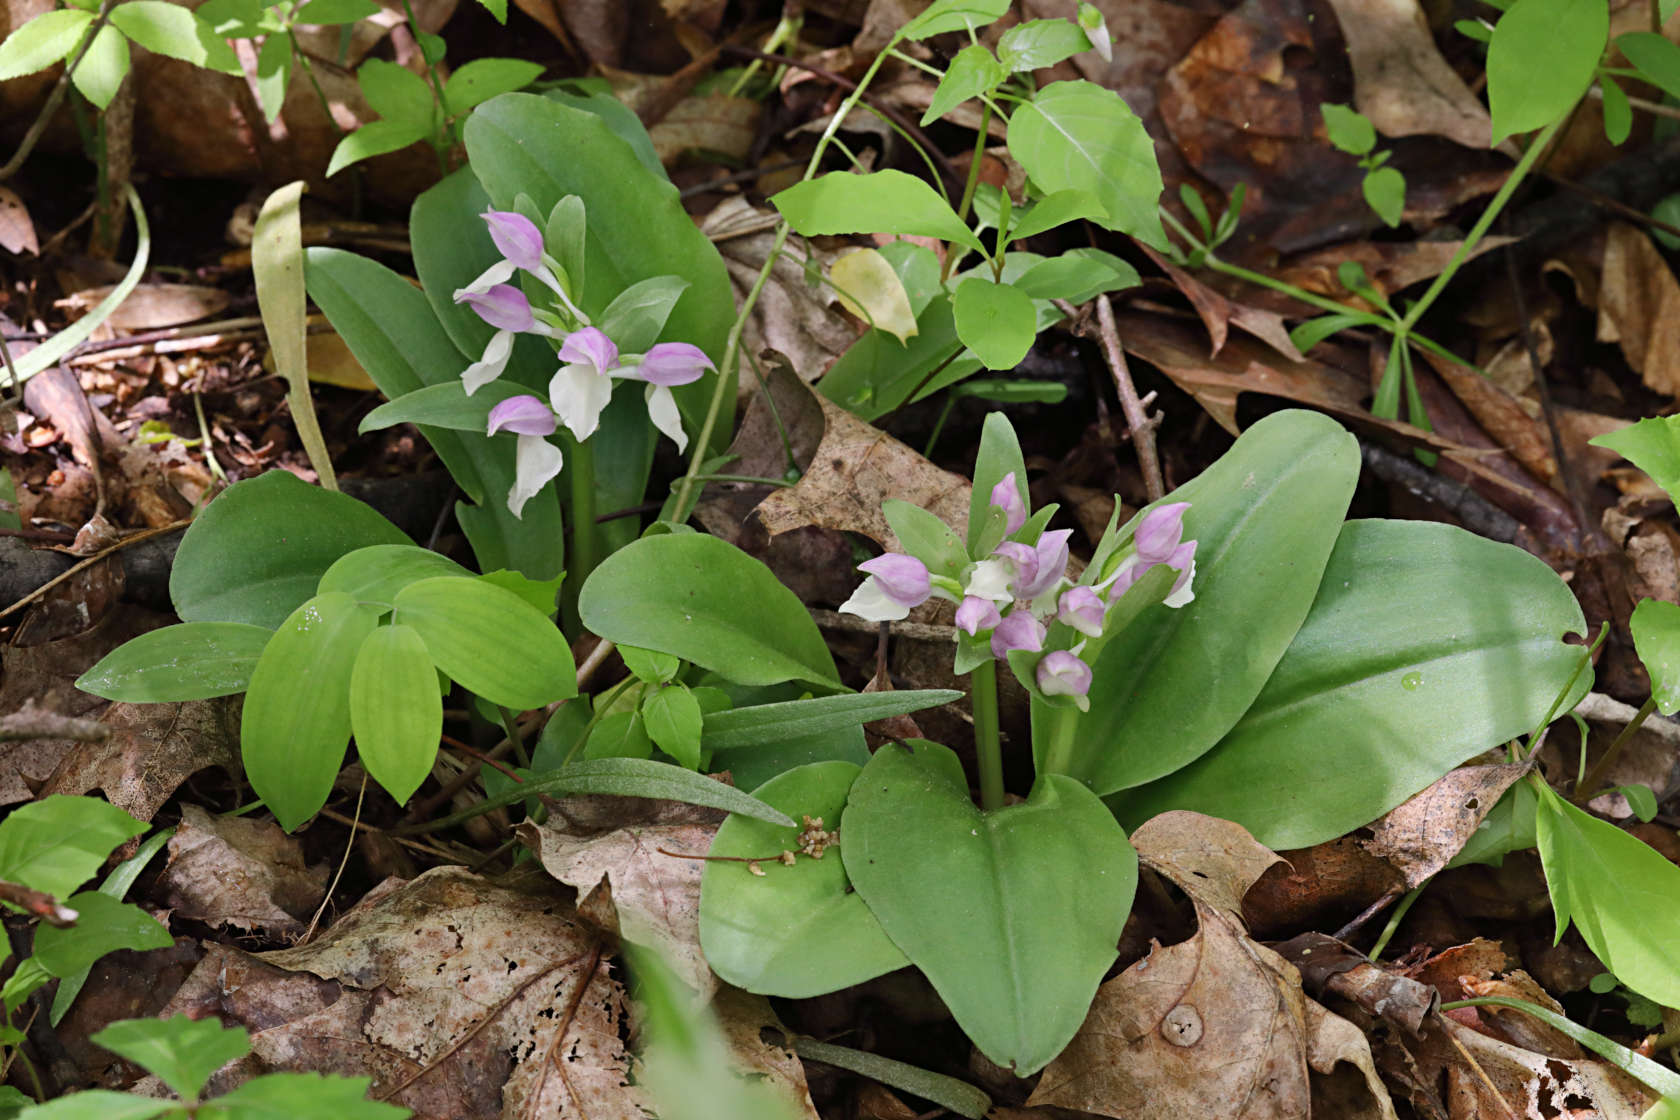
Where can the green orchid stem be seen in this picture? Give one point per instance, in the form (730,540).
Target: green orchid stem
(584,555)
(1483,223)
(988,751)
(728,376)
(1059,725)
(1588,788)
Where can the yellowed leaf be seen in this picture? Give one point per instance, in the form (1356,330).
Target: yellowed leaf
(870,289)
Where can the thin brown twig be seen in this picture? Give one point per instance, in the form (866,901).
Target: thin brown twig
(82,565)
(1138,419)
(349,845)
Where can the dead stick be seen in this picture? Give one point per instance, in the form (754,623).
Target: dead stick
(1138,420)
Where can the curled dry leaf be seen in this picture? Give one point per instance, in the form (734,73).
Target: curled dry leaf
(1217,1025)
(657,896)
(1400,80)
(1219,313)
(151,750)
(853,470)
(1638,304)
(1421,835)
(17,231)
(242,872)
(791,315)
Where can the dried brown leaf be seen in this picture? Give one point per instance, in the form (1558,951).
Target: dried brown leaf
(1422,835)
(17,231)
(1638,304)
(1400,80)
(242,872)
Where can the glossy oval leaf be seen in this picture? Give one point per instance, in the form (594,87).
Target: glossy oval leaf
(1541,60)
(375,574)
(1656,637)
(190,661)
(396,712)
(996,321)
(104,926)
(1013,915)
(708,602)
(1265,517)
(795,931)
(673,718)
(259,549)
(878,202)
(1652,445)
(1079,136)
(296,721)
(490,641)
(1618,890)
(57,843)
(1426,646)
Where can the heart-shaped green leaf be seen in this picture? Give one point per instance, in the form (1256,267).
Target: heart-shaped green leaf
(1426,645)
(1013,915)
(794,931)
(1265,517)
(296,721)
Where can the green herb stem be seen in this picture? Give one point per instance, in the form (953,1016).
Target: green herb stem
(1059,726)
(988,751)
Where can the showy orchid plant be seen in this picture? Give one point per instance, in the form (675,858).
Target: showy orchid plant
(581,388)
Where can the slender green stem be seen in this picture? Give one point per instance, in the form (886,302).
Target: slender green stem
(1394,921)
(584,556)
(1060,724)
(510,726)
(973,182)
(988,751)
(1483,224)
(1588,788)
(727,378)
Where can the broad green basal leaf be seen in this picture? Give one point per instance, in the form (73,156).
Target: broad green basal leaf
(793,931)
(395,710)
(1265,517)
(190,661)
(1620,893)
(296,720)
(1080,136)
(1426,645)
(489,641)
(259,549)
(708,602)
(1014,915)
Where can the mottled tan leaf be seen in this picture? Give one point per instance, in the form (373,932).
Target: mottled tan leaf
(1400,80)
(868,287)
(243,872)
(1638,305)
(1420,836)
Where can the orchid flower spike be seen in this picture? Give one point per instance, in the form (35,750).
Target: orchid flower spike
(896,583)
(536,459)
(1160,532)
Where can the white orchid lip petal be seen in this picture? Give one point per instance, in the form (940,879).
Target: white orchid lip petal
(662,410)
(499,273)
(871,603)
(535,462)
(490,366)
(579,393)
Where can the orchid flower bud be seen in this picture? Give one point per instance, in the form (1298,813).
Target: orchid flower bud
(1091,21)
(1006,495)
(976,614)
(1062,673)
(517,238)
(669,364)
(1160,532)
(503,306)
(1037,567)
(1018,630)
(523,415)
(903,578)
(1083,609)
